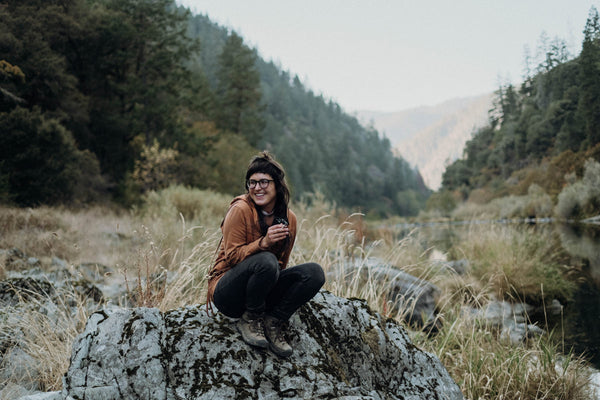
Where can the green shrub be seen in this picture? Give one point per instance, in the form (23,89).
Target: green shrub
(536,203)
(193,204)
(582,198)
(442,201)
(539,203)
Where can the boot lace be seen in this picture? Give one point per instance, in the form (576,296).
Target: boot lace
(256,327)
(276,331)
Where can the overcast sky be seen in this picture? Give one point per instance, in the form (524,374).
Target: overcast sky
(390,55)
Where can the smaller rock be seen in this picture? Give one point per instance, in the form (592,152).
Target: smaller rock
(518,333)
(43,396)
(18,366)
(14,391)
(13,290)
(458,266)
(414,298)
(33,262)
(14,259)
(555,308)
(58,262)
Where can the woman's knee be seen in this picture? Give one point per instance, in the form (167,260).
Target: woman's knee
(315,274)
(265,262)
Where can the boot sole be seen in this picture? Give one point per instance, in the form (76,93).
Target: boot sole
(280,353)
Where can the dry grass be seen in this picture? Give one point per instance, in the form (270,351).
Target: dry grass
(165,256)
(515,262)
(44,328)
(97,234)
(487,367)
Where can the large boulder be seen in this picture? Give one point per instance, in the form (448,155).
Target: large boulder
(342,350)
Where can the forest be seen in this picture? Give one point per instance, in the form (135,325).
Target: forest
(544,133)
(107,100)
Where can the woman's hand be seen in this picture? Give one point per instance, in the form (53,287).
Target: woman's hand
(275,233)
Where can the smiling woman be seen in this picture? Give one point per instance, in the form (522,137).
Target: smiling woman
(262,193)
(249,279)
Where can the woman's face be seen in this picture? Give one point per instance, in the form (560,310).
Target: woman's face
(265,197)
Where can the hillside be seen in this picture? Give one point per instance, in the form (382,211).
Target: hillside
(108,108)
(430,137)
(542,139)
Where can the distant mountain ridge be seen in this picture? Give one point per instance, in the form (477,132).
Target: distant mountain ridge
(431,137)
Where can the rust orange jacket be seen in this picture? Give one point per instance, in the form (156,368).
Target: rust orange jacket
(241,238)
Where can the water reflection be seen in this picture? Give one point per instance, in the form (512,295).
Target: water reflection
(582,316)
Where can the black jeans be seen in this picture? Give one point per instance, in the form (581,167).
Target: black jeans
(257,285)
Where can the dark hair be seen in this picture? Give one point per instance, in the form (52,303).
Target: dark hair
(265,163)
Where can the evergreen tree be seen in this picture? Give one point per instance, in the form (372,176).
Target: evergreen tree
(40,162)
(31,39)
(590,82)
(136,86)
(238,91)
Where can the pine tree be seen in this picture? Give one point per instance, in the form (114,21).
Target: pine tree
(589,103)
(238,91)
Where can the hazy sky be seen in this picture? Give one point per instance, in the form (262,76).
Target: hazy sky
(390,55)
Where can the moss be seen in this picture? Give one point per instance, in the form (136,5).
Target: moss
(371,338)
(335,367)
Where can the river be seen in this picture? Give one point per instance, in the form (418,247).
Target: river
(582,315)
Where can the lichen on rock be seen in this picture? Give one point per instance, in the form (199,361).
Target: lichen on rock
(342,349)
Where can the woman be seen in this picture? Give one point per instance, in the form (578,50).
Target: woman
(250,280)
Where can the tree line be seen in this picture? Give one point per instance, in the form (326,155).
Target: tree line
(541,131)
(109,99)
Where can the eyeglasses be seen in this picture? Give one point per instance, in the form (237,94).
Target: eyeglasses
(263,183)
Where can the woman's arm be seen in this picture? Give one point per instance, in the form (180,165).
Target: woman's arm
(236,226)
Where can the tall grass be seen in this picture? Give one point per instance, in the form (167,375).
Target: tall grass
(44,328)
(97,234)
(536,203)
(484,365)
(487,367)
(164,249)
(517,263)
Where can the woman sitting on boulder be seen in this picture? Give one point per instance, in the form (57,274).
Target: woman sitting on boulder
(250,280)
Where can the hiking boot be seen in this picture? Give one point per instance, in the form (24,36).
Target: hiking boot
(275,334)
(252,329)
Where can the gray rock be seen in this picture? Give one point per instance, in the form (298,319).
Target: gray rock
(555,308)
(43,396)
(415,299)
(33,262)
(458,266)
(17,365)
(15,290)
(517,333)
(499,313)
(510,318)
(59,263)
(342,350)
(35,284)
(14,391)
